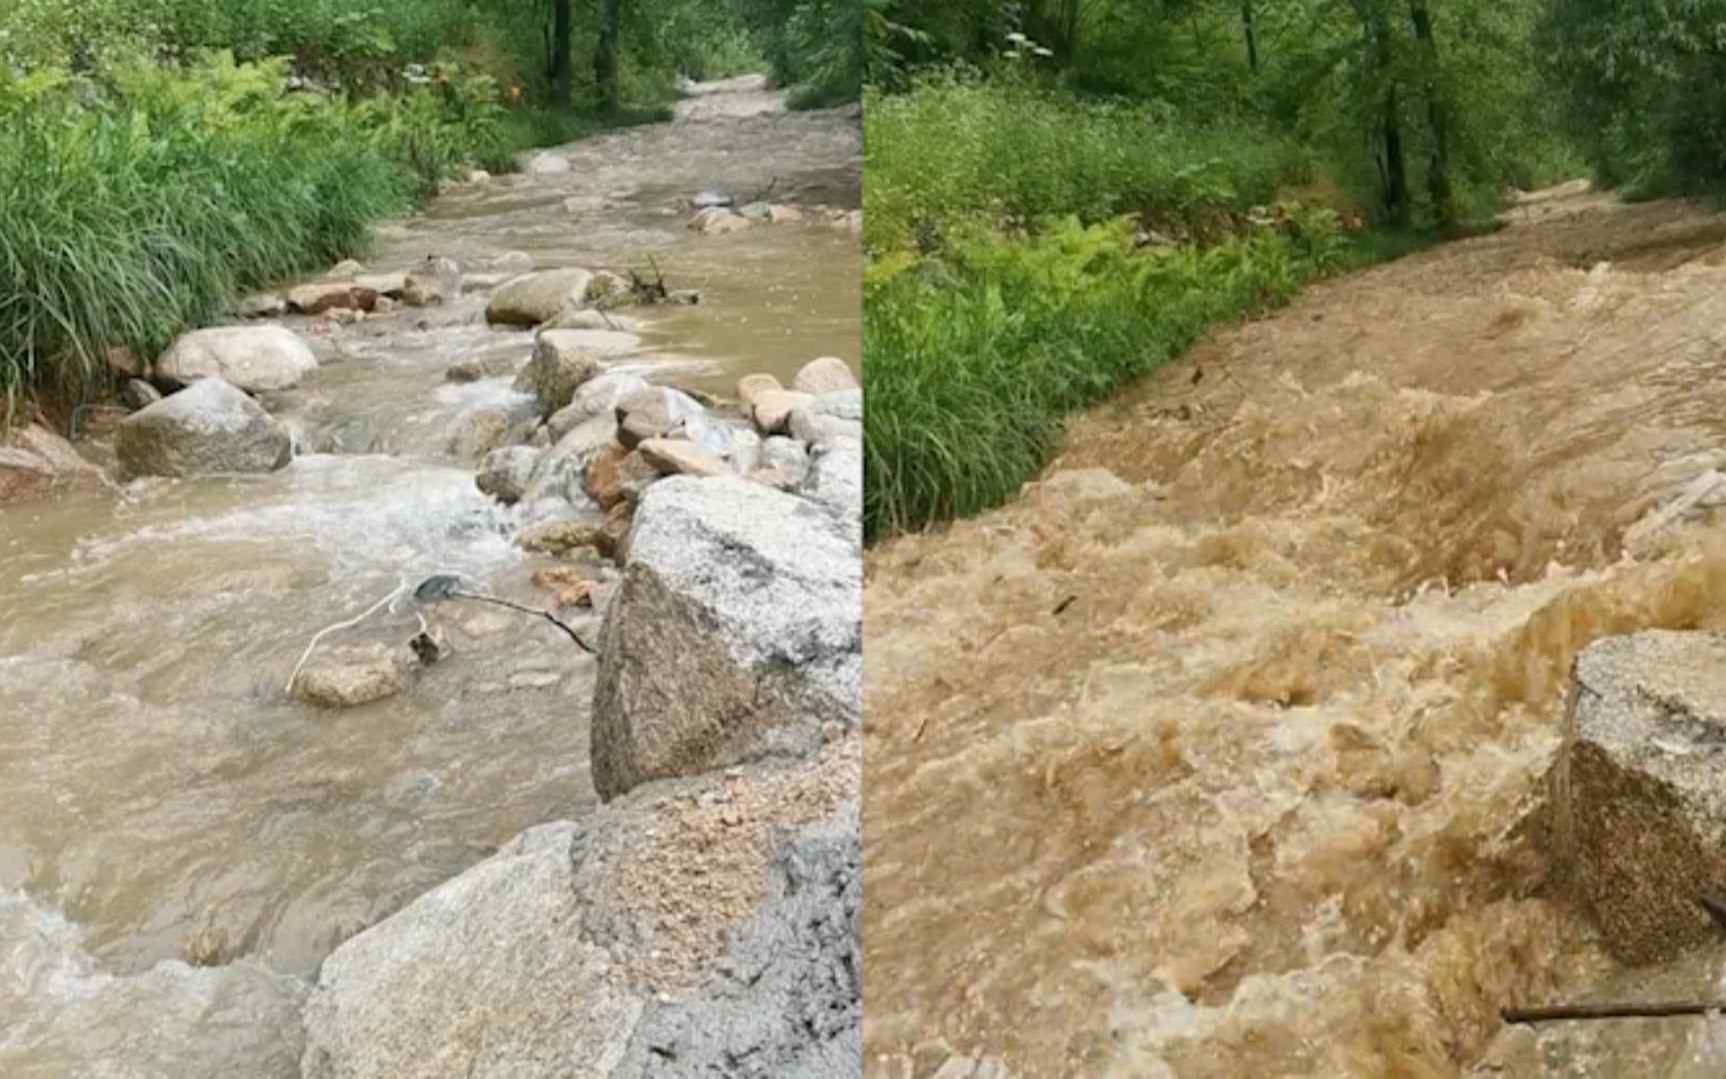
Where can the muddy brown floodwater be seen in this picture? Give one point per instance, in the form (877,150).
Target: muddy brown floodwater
(1214,754)
(161,799)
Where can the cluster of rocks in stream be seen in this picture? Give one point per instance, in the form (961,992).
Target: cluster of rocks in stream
(705,920)
(717,214)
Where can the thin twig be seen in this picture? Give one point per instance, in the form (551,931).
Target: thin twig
(1612,1011)
(547,615)
(307,654)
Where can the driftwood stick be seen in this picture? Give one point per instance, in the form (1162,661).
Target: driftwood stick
(1657,1010)
(547,615)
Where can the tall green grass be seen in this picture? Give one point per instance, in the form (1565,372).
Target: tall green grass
(1007,285)
(974,359)
(960,150)
(140,208)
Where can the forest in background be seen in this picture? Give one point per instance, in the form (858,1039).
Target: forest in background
(160,157)
(1064,194)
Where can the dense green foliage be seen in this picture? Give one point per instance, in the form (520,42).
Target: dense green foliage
(130,217)
(158,157)
(1064,194)
(1643,88)
(974,359)
(1356,82)
(962,151)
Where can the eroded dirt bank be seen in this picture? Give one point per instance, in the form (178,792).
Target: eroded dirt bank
(1212,755)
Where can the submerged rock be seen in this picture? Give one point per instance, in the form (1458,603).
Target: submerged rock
(254,358)
(434,281)
(66,1015)
(319,297)
(210,427)
(350,675)
(261,305)
(1640,792)
(558,538)
(718,222)
(506,473)
(483,428)
(475,368)
(548,165)
(736,634)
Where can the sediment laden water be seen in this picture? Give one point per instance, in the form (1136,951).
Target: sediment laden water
(1221,762)
(160,798)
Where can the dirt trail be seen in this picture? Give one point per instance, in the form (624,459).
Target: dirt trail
(1212,754)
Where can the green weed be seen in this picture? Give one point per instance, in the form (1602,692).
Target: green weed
(974,358)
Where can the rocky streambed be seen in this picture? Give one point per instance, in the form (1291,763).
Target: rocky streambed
(272,808)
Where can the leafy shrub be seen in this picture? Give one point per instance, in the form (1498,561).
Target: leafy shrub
(129,216)
(960,149)
(973,359)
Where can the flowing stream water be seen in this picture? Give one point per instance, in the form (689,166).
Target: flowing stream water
(1220,752)
(181,843)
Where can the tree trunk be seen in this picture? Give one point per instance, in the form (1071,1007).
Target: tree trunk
(605,56)
(559,51)
(1252,41)
(1438,164)
(1393,168)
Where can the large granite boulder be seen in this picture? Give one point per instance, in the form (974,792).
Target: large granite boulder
(736,634)
(697,927)
(209,427)
(254,358)
(1639,799)
(534,298)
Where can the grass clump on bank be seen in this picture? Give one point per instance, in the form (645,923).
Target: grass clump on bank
(136,207)
(974,360)
(958,150)
(1029,255)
